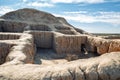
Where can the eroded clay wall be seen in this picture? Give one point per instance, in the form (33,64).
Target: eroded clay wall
(43,39)
(9,26)
(9,36)
(4,50)
(101,46)
(114,46)
(68,43)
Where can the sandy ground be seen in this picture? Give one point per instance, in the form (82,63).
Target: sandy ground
(49,57)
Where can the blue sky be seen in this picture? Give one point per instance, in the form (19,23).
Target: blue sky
(96,16)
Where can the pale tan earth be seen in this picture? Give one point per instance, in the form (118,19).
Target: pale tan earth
(36,45)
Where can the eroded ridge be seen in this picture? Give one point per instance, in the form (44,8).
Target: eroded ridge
(39,46)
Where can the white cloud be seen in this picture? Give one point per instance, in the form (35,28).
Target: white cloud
(77,12)
(77,1)
(109,17)
(78,18)
(5,9)
(24,0)
(106,17)
(38,4)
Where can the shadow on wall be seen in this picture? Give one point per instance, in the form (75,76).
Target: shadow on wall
(10,26)
(4,50)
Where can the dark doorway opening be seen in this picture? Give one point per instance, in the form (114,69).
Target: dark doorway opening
(83,48)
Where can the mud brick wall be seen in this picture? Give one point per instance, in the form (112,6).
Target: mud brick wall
(9,36)
(43,39)
(68,43)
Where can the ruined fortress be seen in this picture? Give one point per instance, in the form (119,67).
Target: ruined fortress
(26,31)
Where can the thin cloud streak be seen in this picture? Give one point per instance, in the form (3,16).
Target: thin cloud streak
(106,17)
(77,1)
(25,0)
(76,12)
(38,4)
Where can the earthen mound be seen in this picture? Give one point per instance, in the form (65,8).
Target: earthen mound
(31,15)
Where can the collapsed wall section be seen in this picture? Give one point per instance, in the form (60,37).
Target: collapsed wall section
(68,43)
(7,41)
(114,46)
(43,39)
(101,46)
(22,52)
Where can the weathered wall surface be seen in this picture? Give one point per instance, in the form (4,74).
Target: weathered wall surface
(105,67)
(68,43)
(9,26)
(101,46)
(43,39)
(6,42)
(24,51)
(4,50)
(114,46)
(9,36)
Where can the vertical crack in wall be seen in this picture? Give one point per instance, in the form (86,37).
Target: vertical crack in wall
(84,74)
(72,72)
